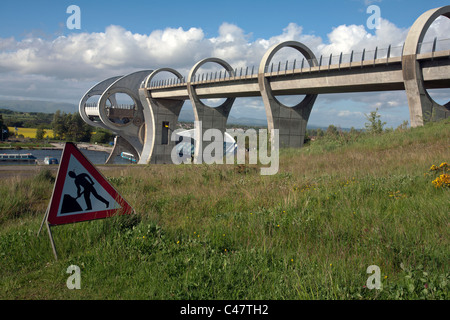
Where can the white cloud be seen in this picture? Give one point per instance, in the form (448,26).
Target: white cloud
(347,38)
(369,2)
(88,55)
(439,28)
(393,103)
(348,114)
(117,50)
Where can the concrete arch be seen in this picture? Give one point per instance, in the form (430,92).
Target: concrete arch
(154,73)
(191,89)
(290,121)
(208,116)
(156,112)
(422,107)
(96,90)
(129,85)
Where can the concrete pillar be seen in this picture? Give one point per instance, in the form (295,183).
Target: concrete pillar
(161,118)
(210,118)
(132,131)
(422,107)
(290,121)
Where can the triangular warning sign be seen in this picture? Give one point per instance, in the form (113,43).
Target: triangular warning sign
(82,193)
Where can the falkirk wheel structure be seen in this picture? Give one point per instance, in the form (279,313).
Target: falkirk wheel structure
(143,126)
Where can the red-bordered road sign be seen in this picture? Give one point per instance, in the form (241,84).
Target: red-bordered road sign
(82,193)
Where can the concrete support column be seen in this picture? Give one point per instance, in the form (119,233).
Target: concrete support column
(210,118)
(132,131)
(161,118)
(290,121)
(422,107)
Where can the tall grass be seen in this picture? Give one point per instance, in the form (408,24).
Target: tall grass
(226,232)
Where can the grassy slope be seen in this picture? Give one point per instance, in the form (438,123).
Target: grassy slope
(225,232)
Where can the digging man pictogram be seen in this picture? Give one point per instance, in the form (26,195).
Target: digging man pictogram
(85,181)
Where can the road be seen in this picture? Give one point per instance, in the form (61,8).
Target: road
(86,146)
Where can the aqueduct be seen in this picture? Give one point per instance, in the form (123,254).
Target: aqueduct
(143,126)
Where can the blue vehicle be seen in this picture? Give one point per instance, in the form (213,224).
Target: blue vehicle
(128,156)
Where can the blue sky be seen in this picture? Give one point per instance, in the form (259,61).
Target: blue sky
(51,62)
(261,18)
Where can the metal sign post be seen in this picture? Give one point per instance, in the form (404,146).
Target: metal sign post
(52,242)
(55,253)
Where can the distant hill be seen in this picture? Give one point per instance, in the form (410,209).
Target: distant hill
(52,107)
(37,106)
(188,116)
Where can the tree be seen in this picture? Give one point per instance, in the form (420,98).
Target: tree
(320,132)
(58,125)
(102,136)
(77,129)
(4,132)
(71,127)
(332,130)
(375,125)
(40,132)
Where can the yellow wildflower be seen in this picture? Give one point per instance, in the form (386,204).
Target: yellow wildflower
(442,181)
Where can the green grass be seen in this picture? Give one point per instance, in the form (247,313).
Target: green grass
(336,207)
(25,145)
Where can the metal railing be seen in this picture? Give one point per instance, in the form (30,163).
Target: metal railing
(323,62)
(94,105)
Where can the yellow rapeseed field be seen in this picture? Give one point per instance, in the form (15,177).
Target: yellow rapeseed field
(30,132)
